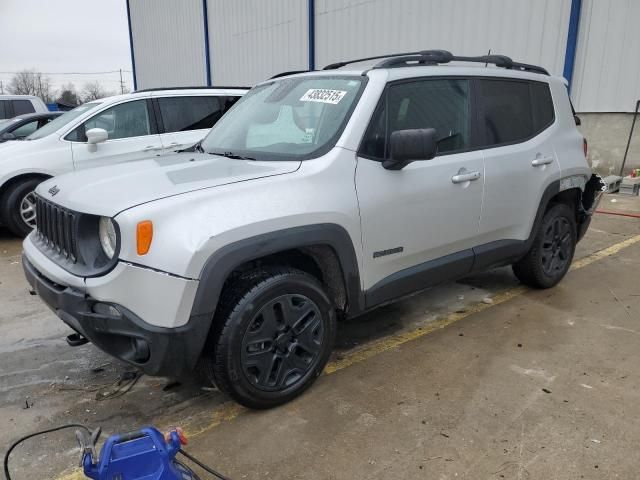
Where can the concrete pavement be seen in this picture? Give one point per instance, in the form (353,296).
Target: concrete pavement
(536,384)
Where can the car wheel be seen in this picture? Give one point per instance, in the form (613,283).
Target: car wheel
(19,207)
(550,256)
(272,337)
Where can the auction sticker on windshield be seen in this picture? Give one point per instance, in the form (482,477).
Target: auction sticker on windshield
(323,95)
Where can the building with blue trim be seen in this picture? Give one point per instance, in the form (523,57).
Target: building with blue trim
(594,44)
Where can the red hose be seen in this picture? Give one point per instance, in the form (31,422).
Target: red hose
(620,214)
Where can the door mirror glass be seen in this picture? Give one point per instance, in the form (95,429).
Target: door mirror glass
(407,146)
(96,135)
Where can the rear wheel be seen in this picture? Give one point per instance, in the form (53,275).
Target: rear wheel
(272,337)
(550,256)
(19,206)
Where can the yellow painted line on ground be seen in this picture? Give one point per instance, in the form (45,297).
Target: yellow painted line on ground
(230,410)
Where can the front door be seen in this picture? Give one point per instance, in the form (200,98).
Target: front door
(131,136)
(419,223)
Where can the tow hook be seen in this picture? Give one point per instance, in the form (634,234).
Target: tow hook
(76,340)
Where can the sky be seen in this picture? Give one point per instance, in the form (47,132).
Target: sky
(54,36)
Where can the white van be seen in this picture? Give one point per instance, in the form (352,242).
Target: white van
(107,131)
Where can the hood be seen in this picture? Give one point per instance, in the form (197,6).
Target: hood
(16,147)
(110,190)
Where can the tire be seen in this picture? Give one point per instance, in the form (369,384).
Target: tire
(550,256)
(13,205)
(272,336)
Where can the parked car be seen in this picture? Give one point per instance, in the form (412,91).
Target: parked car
(14,105)
(17,128)
(104,132)
(319,196)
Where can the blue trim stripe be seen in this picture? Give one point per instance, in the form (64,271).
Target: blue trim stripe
(133,57)
(207,59)
(311,10)
(572,40)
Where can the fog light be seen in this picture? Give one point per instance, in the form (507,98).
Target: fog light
(105,309)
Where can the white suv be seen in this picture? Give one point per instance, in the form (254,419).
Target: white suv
(103,132)
(14,105)
(319,196)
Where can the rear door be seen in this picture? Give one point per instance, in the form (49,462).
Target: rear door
(132,135)
(185,120)
(517,126)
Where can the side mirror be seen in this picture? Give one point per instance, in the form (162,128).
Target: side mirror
(8,136)
(95,136)
(407,146)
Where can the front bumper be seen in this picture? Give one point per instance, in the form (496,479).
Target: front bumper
(119,332)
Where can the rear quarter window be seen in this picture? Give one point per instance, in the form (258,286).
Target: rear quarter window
(20,107)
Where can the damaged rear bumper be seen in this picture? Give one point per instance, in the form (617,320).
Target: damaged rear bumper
(594,189)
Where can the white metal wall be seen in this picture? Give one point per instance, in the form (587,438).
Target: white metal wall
(251,40)
(168,42)
(532,31)
(606,76)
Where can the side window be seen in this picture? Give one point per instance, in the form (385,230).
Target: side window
(3,109)
(442,104)
(130,119)
(26,129)
(506,114)
(543,114)
(21,107)
(180,114)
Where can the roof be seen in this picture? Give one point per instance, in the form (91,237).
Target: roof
(154,92)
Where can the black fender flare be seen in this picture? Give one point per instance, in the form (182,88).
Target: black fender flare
(221,264)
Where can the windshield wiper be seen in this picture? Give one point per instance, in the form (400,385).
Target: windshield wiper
(232,155)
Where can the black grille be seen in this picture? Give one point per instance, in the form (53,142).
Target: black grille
(56,228)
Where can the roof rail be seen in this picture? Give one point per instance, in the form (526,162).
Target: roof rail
(292,72)
(199,87)
(436,57)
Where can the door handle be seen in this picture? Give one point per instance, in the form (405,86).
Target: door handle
(150,148)
(464,176)
(539,161)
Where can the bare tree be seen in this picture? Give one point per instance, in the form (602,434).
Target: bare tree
(68,94)
(93,91)
(30,82)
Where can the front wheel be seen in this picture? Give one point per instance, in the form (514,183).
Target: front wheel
(272,337)
(551,253)
(19,207)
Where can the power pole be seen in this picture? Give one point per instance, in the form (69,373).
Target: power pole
(121,83)
(1,88)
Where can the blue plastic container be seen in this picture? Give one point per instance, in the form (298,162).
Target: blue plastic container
(141,455)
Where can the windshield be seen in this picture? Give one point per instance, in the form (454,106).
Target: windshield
(61,121)
(289,119)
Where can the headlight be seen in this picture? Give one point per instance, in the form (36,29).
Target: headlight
(108,236)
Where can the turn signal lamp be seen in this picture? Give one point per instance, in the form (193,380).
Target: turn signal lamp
(144,236)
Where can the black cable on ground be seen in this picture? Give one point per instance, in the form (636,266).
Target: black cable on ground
(203,466)
(27,437)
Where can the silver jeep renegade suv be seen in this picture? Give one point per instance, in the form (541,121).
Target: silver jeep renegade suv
(318,196)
